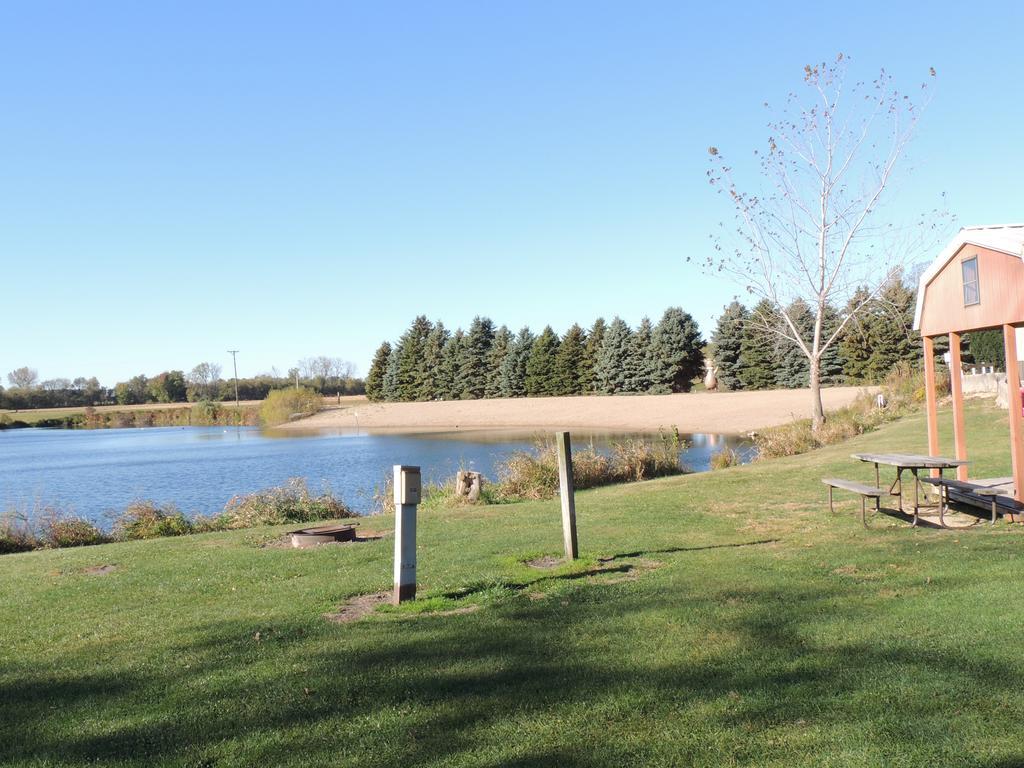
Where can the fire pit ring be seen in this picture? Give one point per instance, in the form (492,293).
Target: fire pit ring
(324,534)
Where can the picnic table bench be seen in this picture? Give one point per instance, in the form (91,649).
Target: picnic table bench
(902,462)
(970,495)
(914,462)
(866,492)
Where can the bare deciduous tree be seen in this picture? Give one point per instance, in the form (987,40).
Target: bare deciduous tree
(23,378)
(325,369)
(310,367)
(342,371)
(203,379)
(813,234)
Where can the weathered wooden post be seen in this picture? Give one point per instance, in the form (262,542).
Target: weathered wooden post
(407,497)
(567,491)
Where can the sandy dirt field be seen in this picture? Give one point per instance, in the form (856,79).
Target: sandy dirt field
(722,412)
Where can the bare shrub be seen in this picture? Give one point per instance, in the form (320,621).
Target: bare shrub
(149,520)
(290,503)
(282,405)
(16,535)
(72,532)
(534,474)
(725,458)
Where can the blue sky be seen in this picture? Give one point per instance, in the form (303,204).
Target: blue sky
(294,179)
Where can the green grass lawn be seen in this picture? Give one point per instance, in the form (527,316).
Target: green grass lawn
(719,619)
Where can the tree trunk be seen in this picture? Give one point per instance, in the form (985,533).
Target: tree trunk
(817,409)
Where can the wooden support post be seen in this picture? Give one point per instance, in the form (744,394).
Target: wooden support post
(1016,420)
(567,491)
(956,385)
(407,497)
(931,399)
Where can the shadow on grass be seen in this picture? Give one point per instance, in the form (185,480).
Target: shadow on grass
(591,678)
(519,586)
(673,550)
(923,522)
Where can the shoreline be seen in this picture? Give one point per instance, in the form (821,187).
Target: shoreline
(695,412)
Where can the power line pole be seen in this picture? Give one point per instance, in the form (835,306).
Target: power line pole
(234,362)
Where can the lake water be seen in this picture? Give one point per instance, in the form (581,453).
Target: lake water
(94,472)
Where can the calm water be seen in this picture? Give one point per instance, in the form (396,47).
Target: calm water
(199,468)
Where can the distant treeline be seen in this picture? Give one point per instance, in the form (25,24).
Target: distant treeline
(325,375)
(431,363)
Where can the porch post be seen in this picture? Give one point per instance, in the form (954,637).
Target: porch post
(931,399)
(956,385)
(1016,421)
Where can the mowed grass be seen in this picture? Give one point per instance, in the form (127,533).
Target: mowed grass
(718,619)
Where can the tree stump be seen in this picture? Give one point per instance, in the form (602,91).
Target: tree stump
(468,484)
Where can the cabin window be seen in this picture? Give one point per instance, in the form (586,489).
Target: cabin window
(971,293)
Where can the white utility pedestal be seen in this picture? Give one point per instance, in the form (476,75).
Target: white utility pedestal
(408,489)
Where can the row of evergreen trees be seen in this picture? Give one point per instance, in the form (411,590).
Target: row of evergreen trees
(749,355)
(430,363)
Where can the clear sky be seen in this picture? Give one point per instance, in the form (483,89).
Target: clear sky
(293,179)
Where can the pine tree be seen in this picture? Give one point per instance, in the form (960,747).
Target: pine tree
(500,347)
(540,366)
(570,375)
(389,385)
(594,340)
(640,363)
(728,341)
(893,339)
(450,387)
(411,373)
(792,368)
(610,369)
(831,366)
(513,369)
(986,348)
(677,350)
(757,349)
(475,352)
(855,345)
(375,376)
(433,385)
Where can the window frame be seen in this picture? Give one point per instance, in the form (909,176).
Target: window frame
(976,282)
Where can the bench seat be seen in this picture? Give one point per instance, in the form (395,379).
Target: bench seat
(967,495)
(863,489)
(854,487)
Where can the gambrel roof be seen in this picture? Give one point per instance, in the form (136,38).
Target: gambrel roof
(1005,238)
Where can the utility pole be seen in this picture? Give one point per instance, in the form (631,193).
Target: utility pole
(234,362)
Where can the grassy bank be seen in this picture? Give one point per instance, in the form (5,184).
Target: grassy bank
(532,475)
(717,619)
(48,527)
(114,417)
(902,394)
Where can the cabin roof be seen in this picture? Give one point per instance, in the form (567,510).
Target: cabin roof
(1005,238)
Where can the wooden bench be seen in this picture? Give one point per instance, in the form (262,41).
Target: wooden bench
(977,496)
(863,489)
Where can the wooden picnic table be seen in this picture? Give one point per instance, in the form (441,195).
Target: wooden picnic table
(908,461)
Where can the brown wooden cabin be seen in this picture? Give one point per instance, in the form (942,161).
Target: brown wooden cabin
(976,283)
